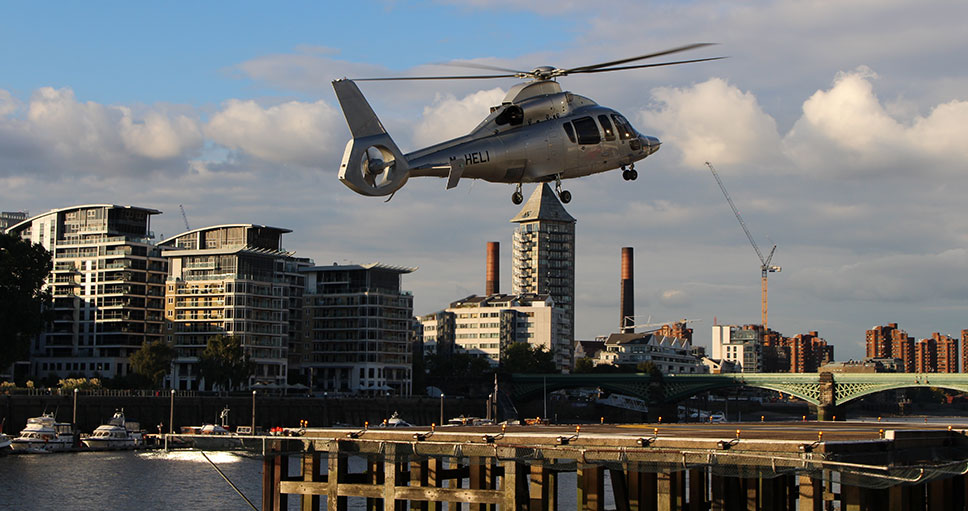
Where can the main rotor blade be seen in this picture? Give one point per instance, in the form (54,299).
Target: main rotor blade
(641,66)
(400,78)
(585,69)
(475,65)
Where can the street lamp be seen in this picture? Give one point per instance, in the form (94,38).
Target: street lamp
(171,414)
(253,413)
(74,420)
(441,408)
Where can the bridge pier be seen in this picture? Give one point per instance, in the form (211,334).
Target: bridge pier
(831,413)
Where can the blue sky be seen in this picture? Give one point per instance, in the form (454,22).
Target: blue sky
(124,52)
(837,126)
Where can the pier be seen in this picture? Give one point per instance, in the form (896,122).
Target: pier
(719,467)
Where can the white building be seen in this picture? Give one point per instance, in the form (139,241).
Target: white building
(107,285)
(741,347)
(485,325)
(669,354)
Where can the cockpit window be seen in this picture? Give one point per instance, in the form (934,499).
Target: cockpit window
(569,131)
(587,131)
(625,131)
(607,127)
(512,115)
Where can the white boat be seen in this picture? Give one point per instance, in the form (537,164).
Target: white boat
(118,433)
(212,436)
(5,441)
(44,434)
(623,401)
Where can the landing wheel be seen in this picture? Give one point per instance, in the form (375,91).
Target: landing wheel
(565,196)
(626,175)
(633,174)
(517,198)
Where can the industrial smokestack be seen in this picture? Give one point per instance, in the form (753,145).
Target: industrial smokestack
(627,305)
(492,273)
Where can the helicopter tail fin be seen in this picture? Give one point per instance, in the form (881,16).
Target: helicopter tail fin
(372,163)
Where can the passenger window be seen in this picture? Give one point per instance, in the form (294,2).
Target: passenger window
(623,127)
(587,131)
(607,127)
(569,131)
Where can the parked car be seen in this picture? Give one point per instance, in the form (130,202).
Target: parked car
(717,417)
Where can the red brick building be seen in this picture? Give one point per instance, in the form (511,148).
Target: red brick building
(888,341)
(808,352)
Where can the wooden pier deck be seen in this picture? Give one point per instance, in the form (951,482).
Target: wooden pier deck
(737,466)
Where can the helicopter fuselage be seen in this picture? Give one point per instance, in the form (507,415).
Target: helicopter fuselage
(541,137)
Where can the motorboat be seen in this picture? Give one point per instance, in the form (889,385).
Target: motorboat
(395,422)
(118,433)
(5,441)
(44,434)
(215,437)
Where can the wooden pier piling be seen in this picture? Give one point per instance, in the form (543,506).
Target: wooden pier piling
(464,468)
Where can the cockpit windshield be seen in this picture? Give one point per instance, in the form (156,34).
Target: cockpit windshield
(622,126)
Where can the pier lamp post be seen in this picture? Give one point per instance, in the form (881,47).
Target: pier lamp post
(171,413)
(441,408)
(253,412)
(74,420)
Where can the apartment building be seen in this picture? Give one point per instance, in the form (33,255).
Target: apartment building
(937,354)
(485,325)
(543,256)
(232,280)
(888,341)
(9,219)
(107,285)
(670,355)
(739,346)
(357,323)
(808,353)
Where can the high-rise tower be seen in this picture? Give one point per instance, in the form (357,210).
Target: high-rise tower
(543,254)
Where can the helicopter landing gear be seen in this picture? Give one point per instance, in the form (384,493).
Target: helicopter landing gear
(629,174)
(517,197)
(563,195)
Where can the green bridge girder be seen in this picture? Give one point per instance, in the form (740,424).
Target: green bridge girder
(674,388)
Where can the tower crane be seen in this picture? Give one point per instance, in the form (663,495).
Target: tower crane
(765,266)
(184,217)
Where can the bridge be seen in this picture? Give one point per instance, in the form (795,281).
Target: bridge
(824,390)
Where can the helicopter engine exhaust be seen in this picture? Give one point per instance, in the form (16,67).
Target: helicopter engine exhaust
(372,163)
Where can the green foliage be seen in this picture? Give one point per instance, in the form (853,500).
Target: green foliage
(224,364)
(24,307)
(521,357)
(153,361)
(459,374)
(70,384)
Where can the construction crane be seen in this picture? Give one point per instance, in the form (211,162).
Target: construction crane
(184,217)
(765,266)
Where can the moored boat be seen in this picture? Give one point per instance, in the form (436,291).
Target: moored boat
(44,434)
(118,433)
(213,436)
(4,443)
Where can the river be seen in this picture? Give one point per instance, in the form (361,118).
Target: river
(156,480)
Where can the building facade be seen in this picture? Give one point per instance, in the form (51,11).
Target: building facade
(9,219)
(231,280)
(888,341)
(485,326)
(107,285)
(543,256)
(357,323)
(669,354)
(937,354)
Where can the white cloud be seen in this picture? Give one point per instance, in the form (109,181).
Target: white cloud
(713,121)
(847,130)
(8,104)
(296,132)
(158,136)
(450,117)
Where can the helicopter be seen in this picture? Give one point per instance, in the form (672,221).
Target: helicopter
(539,133)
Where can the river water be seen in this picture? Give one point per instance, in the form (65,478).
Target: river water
(157,480)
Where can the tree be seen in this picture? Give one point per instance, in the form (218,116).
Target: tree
(521,357)
(24,304)
(224,364)
(152,361)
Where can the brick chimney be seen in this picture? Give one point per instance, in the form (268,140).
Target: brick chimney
(492,272)
(627,304)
